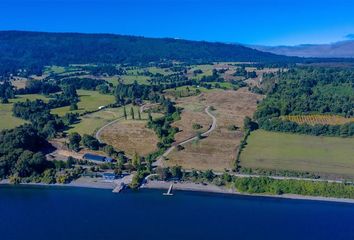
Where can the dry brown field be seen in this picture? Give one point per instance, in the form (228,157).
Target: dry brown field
(218,150)
(131,136)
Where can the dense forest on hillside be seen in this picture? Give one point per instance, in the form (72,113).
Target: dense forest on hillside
(33,50)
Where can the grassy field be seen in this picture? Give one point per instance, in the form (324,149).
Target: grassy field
(129,79)
(186,91)
(131,136)
(328,156)
(319,119)
(92,122)
(89,101)
(7,120)
(218,150)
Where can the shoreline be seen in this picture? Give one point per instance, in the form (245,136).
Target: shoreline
(194,187)
(76,184)
(182,186)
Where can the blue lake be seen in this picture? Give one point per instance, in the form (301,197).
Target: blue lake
(78,213)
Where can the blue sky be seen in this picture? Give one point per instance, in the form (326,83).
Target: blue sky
(267,22)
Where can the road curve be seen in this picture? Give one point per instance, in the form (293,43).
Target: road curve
(98,133)
(158,162)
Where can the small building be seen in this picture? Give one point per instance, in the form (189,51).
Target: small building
(109,176)
(97,158)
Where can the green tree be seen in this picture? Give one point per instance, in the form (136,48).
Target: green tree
(73,107)
(149,117)
(125,113)
(176,172)
(90,142)
(74,141)
(136,161)
(132,113)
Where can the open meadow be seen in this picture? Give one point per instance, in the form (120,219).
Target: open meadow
(131,136)
(7,120)
(90,123)
(326,156)
(89,101)
(218,150)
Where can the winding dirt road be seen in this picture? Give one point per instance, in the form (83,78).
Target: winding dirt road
(98,133)
(159,162)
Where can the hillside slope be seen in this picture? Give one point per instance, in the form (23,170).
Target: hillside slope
(344,49)
(19,49)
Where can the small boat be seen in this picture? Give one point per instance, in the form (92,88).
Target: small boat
(169,191)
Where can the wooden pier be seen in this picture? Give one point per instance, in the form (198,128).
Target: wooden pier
(169,192)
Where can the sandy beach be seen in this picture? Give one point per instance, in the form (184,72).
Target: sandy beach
(190,186)
(86,182)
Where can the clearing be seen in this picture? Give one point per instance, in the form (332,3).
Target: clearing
(326,156)
(89,101)
(7,120)
(131,136)
(218,150)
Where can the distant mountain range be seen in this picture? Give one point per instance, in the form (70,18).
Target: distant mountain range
(343,49)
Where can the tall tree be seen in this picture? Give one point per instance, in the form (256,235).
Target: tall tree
(125,113)
(132,113)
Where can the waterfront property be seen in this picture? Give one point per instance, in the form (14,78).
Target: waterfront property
(109,176)
(97,158)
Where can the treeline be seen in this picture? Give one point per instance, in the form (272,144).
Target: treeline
(38,112)
(6,91)
(308,90)
(19,152)
(259,185)
(104,69)
(278,125)
(34,50)
(307,188)
(39,87)
(162,126)
(83,83)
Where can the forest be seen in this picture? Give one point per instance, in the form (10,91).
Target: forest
(304,91)
(34,50)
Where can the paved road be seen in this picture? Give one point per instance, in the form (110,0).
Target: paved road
(159,162)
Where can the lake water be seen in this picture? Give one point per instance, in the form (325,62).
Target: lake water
(78,213)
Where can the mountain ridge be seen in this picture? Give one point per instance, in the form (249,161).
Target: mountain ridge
(341,49)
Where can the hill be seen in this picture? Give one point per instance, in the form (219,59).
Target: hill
(343,49)
(37,49)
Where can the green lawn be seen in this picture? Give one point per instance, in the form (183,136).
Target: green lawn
(7,120)
(89,101)
(328,156)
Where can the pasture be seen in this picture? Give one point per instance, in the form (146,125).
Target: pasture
(7,120)
(131,136)
(218,150)
(89,101)
(326,156)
